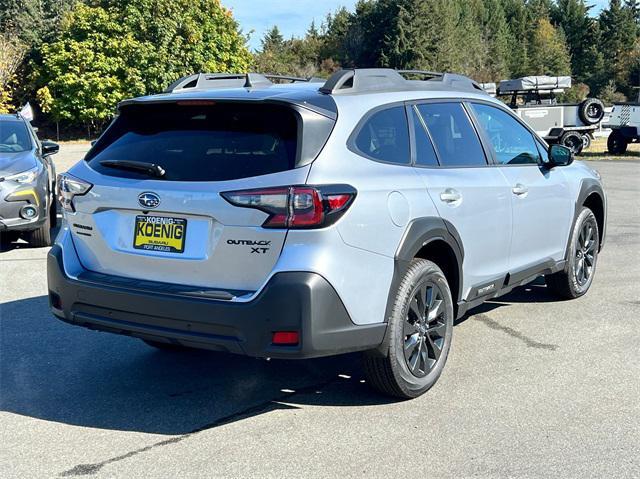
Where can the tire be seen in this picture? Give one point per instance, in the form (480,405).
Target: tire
(573,141)
(577,276)
(617,143)
(8,237)
(586,141)
(591,111)
(166,346)
(427,341)
(42,236)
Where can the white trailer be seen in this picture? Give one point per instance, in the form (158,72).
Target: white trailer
(533,99)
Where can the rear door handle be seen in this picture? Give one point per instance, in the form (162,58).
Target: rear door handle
(450,196)
(520,190)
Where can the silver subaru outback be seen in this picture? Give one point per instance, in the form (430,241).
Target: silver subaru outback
(307,219)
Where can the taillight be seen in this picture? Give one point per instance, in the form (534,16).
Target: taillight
(296,206)
(68,187)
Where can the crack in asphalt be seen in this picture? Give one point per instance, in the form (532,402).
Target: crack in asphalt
(261,408)
(531,343)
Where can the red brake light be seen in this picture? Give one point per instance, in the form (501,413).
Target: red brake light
(195,103)
(296,206)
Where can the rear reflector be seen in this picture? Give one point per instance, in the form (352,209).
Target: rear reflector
(286,338)
(296,207)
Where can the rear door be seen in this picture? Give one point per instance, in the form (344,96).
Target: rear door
(176,227)
(472,196)
(541,198)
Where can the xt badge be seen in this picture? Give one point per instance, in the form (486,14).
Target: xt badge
(257,247)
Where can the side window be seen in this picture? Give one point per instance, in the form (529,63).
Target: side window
(385,136)
(455,139)
(425,154)
(512,142)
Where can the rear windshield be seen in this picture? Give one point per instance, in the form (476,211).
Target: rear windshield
(218,142)
(14,137)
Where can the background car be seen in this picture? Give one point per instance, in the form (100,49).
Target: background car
(27,183)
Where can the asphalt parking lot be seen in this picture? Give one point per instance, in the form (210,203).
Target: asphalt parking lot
(533,388)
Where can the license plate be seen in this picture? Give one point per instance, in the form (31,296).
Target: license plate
(160,233)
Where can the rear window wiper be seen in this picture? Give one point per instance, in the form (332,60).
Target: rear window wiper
(139,166)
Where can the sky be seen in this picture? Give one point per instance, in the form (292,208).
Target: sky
(293,17)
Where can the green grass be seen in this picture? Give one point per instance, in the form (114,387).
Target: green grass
(598,151)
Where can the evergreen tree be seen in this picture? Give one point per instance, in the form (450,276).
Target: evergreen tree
(620,43)
(273,40)
(582,39)
(634,8)
(499,40)
(473,48)
(518,23)
(337,27)
(548,53)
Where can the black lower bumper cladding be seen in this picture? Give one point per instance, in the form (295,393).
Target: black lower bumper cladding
(293,301)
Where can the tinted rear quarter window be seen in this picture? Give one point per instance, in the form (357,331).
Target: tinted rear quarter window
(384,136)
(455,139)
(217,142)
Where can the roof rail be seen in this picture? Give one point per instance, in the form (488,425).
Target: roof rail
(293,79)
(422,73)
(208,81)
(212,81)
(386,79)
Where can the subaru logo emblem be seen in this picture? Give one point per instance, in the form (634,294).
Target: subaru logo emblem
(148,200)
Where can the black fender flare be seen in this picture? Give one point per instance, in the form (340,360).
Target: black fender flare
(588,186)
(419,233)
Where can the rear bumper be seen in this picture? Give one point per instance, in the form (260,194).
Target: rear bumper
(293,301)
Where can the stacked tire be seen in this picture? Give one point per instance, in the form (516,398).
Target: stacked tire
(591,111)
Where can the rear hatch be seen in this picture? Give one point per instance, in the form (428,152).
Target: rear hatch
(155,210)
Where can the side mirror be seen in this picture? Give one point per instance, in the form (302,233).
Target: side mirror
(560,156)
(49,148)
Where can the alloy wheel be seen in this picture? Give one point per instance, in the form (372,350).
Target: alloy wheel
(425,329)
(585,253)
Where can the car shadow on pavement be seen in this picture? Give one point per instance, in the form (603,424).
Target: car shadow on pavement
(56,372)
